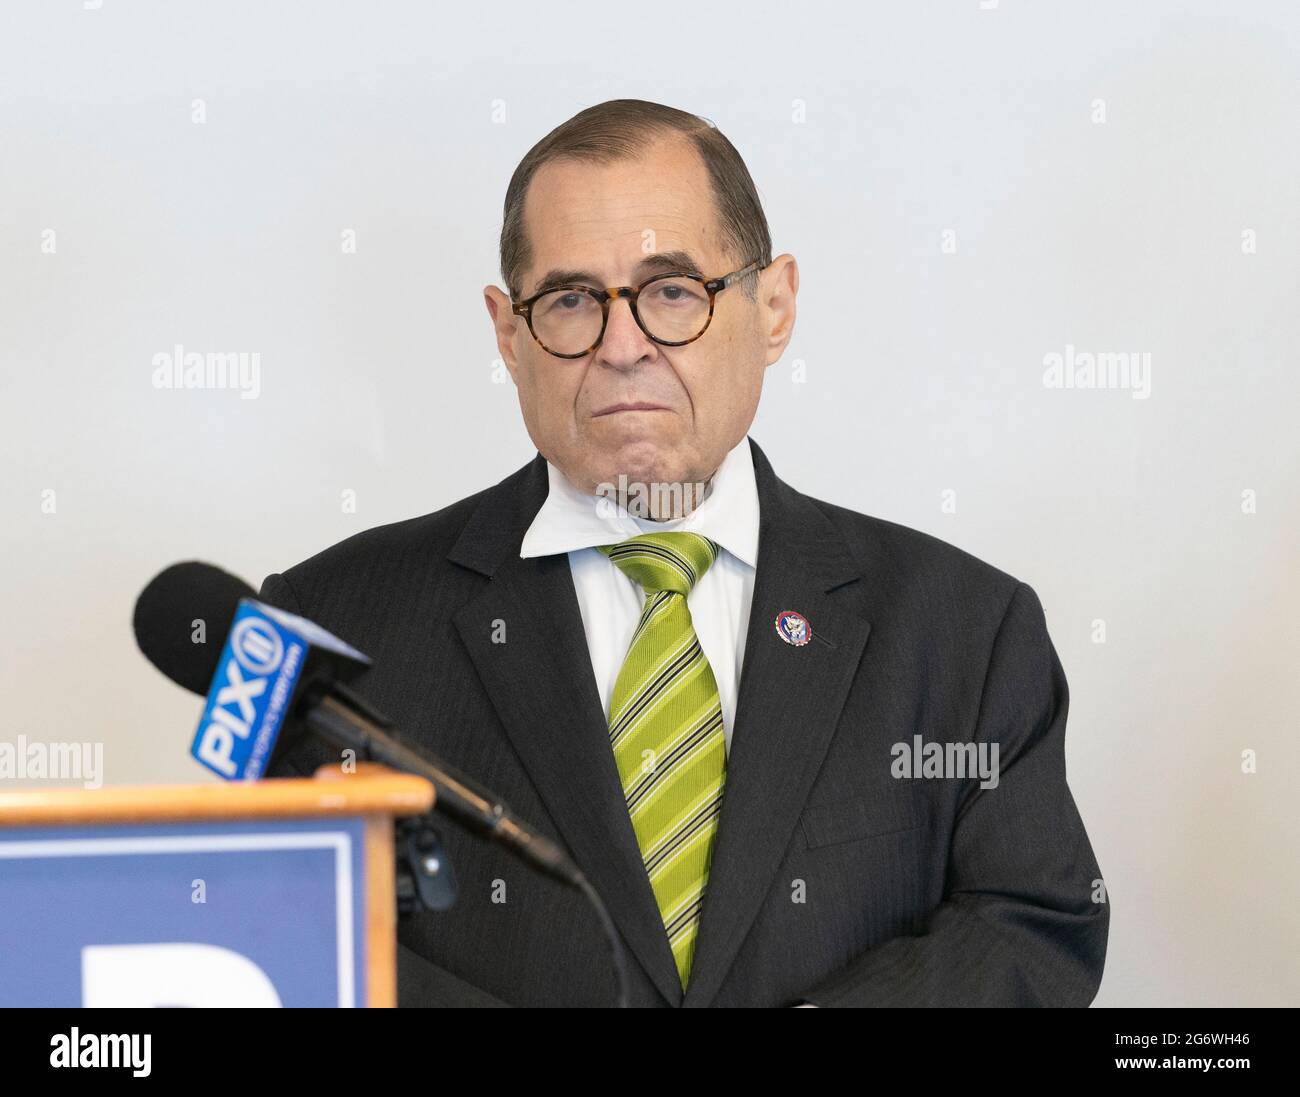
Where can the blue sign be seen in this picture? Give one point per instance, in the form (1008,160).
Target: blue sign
(194,914)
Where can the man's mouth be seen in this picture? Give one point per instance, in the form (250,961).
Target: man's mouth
(639,405)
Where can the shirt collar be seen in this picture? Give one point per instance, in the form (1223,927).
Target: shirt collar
(570,519)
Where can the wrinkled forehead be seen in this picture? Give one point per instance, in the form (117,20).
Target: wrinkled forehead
(617,223)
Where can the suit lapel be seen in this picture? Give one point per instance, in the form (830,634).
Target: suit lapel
(541,684)
(789,704)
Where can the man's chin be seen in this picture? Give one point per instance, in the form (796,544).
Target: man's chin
(642,466)
(638,457)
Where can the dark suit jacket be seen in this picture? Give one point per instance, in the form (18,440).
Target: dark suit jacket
(832,881)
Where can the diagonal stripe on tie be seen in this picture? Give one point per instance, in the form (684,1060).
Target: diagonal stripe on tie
(666,731)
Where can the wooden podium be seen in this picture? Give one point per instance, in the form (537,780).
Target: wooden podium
(278,892)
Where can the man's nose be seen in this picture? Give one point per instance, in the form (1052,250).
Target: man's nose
(624,343)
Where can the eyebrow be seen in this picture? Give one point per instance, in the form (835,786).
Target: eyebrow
(661,262)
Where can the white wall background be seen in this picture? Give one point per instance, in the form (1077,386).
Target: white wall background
(403,122)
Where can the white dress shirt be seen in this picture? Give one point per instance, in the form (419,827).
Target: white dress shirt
(610,602)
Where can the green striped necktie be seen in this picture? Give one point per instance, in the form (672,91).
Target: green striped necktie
(665,725)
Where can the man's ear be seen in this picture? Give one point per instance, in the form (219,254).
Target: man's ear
(778,286)
(505,326)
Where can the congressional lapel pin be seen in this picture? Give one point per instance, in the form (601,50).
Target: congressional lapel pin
(793,627)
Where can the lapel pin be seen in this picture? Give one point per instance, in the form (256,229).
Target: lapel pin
(793,627)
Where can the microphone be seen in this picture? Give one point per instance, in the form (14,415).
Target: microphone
(279,672)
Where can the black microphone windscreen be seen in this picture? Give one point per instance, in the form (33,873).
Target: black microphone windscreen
(166,614)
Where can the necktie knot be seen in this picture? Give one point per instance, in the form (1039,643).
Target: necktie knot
(664,561)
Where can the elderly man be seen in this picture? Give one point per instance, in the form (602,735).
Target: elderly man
(805,756)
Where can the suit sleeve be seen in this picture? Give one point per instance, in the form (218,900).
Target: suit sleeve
(420,983)
(1018,925)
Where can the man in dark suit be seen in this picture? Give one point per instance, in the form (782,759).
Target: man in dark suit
(804,755)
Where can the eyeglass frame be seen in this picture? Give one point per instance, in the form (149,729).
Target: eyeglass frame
(712,286)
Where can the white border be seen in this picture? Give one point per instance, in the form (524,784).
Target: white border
(339,841)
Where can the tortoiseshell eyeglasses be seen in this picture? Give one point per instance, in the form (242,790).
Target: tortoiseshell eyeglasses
(672,309)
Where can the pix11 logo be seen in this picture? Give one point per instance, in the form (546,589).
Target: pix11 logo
(255,679)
